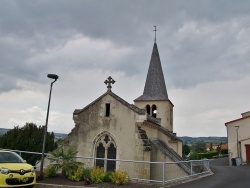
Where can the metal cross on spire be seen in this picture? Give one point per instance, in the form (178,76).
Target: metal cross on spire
(155,32)
(108,82)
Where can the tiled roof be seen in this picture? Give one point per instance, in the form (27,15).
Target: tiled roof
(155,87)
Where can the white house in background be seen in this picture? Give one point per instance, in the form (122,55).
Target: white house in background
(238,133)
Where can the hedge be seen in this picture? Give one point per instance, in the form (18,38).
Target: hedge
(208,155)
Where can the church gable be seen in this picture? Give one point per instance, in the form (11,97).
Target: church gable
(105,108)
(100,112)
(107,113)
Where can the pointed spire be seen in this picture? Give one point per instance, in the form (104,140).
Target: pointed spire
(155,87)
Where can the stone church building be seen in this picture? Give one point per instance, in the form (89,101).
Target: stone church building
(111,128)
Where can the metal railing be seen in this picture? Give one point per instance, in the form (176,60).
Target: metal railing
(146,171)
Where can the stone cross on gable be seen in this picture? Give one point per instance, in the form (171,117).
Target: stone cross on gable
(109,81)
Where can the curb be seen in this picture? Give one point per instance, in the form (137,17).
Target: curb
(44,185)
(170,184)
(194,178)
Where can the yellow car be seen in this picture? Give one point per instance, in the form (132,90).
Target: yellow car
(15,172)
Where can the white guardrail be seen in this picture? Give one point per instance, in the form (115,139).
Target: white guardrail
(167,170)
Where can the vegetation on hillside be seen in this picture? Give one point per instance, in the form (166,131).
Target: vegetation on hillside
(28,138)
(198,151)
(211,139)
(57,135)
(185,150)
(3,131)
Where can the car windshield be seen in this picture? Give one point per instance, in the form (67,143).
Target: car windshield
(8,157)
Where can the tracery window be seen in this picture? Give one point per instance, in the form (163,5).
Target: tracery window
(106,148)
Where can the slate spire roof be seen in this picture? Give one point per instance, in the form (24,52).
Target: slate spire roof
(155,87)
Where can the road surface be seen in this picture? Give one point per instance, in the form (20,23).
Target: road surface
(224,176)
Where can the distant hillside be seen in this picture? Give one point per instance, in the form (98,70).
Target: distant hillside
(3,131)
(57,135)
(211,139)
(185,139)
(60,135)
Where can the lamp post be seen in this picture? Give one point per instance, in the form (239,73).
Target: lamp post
(55,77)
(237,128)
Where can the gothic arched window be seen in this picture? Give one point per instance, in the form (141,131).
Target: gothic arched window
(106,149)
(111,155)
(100,153)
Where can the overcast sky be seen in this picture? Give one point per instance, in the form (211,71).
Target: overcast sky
(204,48)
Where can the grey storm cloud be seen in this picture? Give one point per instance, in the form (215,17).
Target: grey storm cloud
(204,48)
(196,38)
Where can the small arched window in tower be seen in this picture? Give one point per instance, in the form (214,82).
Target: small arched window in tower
(154,111)
(148,109)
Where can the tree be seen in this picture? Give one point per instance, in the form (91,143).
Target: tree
(185,149)
(211,147)
(28,138)
(64,159)
(219,148)
(200,147)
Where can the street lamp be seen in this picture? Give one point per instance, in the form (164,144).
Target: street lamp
(55,77)
(237,128)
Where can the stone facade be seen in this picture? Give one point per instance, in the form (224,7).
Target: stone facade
(164,112)
(111,128)
(129,130)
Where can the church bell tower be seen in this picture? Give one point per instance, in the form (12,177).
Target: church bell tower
(155,97)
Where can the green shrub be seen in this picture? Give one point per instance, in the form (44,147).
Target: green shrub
(193,156)
(86,173)
(97,175)
(224,151)
(76,175)
(208,155)
(107,176)
(50,171)
(119,177)
(64,159)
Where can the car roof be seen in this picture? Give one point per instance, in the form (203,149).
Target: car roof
(6,151)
